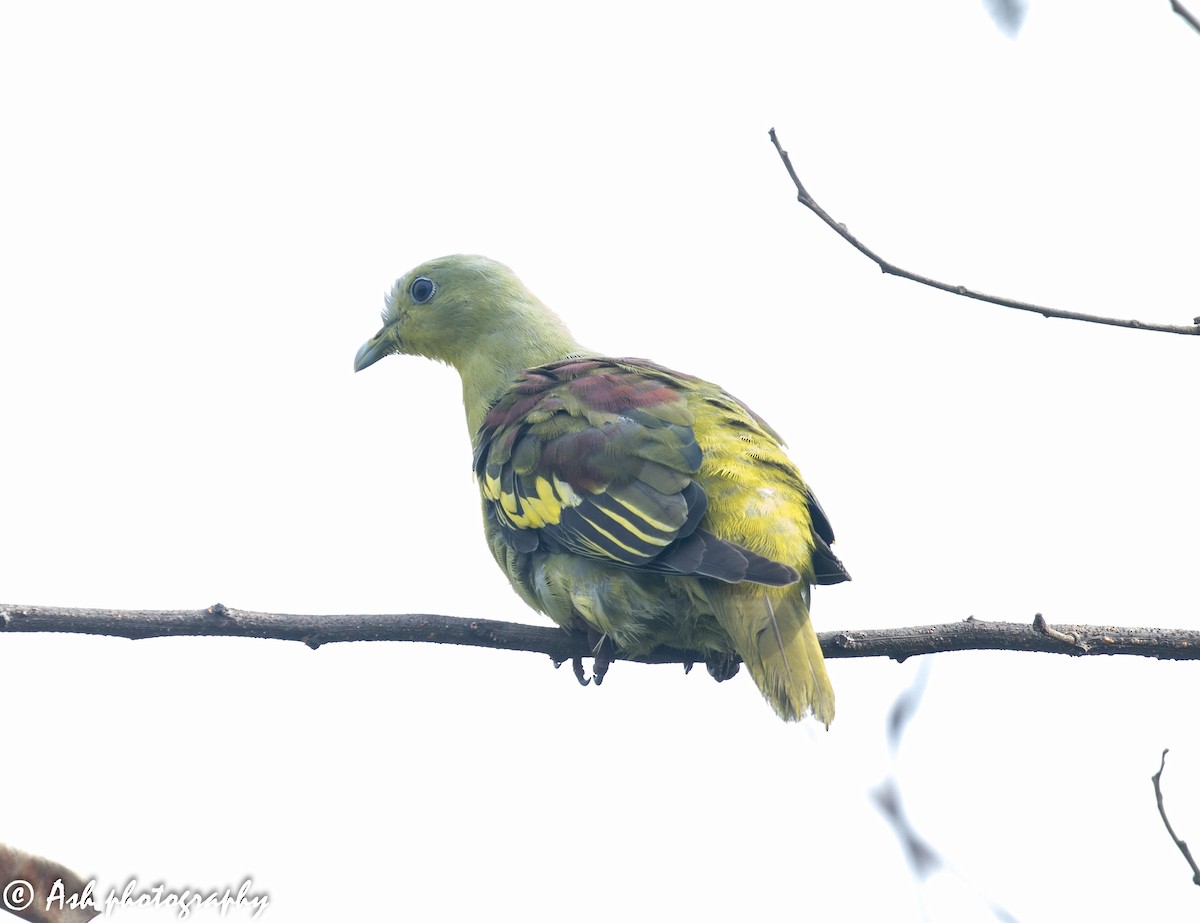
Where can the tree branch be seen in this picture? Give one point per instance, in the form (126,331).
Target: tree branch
(1187,16)
(1158,796)
(810,203)
(315,630)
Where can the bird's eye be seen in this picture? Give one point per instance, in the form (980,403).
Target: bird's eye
(421,290)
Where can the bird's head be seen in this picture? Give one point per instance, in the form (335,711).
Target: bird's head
(461,310)
(475,315)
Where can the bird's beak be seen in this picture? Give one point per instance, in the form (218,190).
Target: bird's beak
(374,349)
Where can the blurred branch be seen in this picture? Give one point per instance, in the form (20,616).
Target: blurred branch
(924,860)
(40,890)
(315,630)
(802,195)
(1158,796)
(1187,17)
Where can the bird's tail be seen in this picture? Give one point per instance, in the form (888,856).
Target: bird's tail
(774,636)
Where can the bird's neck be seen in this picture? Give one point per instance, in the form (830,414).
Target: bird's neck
(489,373)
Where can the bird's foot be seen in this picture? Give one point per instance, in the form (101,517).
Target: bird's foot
(602,655)
(722,666)
(602,658)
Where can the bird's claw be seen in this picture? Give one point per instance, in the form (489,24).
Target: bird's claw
(722,666)
(602,657)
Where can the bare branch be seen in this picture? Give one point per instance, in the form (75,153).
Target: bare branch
(1158,796)
(1190,19)
(315,630)
(802,195)
(976,635)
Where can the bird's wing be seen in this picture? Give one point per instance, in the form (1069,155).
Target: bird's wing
(827,568)
(597,458)
(732,413)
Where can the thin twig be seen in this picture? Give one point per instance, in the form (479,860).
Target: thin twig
(314,630)
(1183,847)
(1187,16)
(805,199)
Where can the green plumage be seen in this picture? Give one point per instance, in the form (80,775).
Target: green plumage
(647,505)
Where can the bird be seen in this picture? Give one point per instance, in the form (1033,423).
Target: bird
(642,505)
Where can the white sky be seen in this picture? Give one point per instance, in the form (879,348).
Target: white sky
(199,212)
